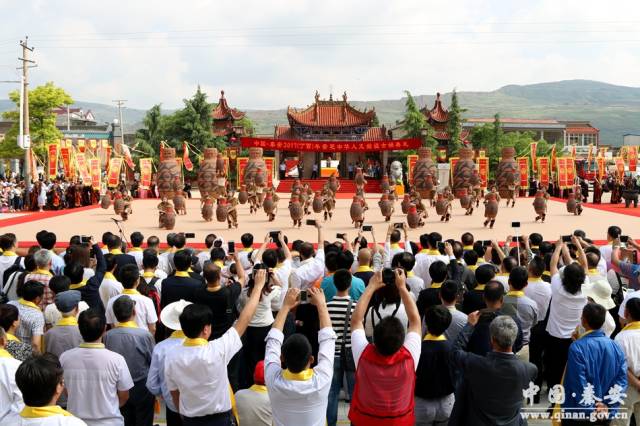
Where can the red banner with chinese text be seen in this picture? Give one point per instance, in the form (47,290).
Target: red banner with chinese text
(411,161)
(632,156)
(620,167)
(533,148)
(94,170)
(80,145)
(452,165)
(107,156)
(113,178)
(93,144)
(241,163)
(185,157)
(145,172)
(65,154)
(571,170)
(566,172)
(331,146)
(523,166)
(602,169)
(52,167)
(81,163)
(483,170)
(543,170)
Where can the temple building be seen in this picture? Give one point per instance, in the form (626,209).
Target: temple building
(225,118)
(327,120)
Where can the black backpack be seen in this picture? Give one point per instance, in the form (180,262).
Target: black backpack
(16,267)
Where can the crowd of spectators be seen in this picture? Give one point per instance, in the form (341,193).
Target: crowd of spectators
(428,332)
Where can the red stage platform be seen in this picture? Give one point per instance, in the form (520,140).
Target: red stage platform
(346,186)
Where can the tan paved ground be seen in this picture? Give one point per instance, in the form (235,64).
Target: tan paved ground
(145,218)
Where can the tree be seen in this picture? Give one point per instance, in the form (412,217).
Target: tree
(42,120)
(454,126)
(375,122)
(191,124)
(415,123)
(148,138)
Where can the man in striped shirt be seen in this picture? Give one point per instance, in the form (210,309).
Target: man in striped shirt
(42,274)
(339,313)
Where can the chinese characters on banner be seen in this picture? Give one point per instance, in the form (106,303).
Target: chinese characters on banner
(333,146)
(81,163)
(52,149)
(523,166)
(80,144)
(411,161)
(113,178)
(65,154)
(533,152)
(483,171)
(145,173)
(241,163)
(185,157)
(94,168)
(632,156)
(620,167)
(543,170)
(602,169)
(452,162)
(566,172)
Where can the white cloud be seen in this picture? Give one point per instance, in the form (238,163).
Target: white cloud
(270,54)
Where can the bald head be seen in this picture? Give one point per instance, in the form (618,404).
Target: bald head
(364,257)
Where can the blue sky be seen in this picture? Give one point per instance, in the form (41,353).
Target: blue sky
(270,54)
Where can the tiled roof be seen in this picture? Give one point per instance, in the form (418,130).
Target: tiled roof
(376,134)
(437,113)
(222,111)
(283,132)
(583,130)
(330,113)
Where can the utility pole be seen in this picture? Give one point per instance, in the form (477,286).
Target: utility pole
(120,104)
(26,139)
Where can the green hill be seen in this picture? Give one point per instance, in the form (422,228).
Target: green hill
(615,110)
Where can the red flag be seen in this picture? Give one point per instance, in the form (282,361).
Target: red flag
(185,157)
(127,156)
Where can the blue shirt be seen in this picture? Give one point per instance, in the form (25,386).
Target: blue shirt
(330,290)
(596,363)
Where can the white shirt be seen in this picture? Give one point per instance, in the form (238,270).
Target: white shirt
(145,311)
(566,310)
(540,292)
(605,253)
(630,294)
(57,264)
(423,262)
(416,285)
(310,271)
(10,396)
(264,315)
(392,251)
(57,420)
(137,254)
(52,315)
(203,256)
(5,263)
(109,288)
(92,378)
(629,341)
(200,374)
(156,382)
(299,402)
(504,280)
(164,263)
(283,272)
(412,342)
(373,316)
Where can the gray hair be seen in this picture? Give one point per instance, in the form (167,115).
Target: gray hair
(42,258)
(503,331)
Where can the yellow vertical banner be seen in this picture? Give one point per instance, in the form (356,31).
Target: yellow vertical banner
(113,178)
(145,173)
(82,166)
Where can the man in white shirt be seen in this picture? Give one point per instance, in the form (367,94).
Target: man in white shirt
(205,255)
(10,396)
(8,244)
(47,240)
(110,286)
(613,233)
(156,382)
(311,268)
(146,316)
(136,239)
(40,379)
(392,243)
(91,370)
(200,401)
(428,255)
(629,340)
(299,394)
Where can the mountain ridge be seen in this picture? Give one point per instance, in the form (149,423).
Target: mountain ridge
(614,109)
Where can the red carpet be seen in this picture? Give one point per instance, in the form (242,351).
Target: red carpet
(47,214)
(608,207)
